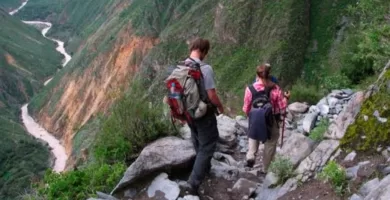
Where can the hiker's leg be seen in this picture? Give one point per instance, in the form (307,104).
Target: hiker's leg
(270,147)
(253,146)
(194,137)
(207,138)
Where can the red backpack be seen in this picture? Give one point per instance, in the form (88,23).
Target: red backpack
(184,98)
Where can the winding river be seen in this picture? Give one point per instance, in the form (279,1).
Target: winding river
(31,125)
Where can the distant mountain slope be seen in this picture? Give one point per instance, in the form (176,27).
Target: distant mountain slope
(9,5)
(27,59)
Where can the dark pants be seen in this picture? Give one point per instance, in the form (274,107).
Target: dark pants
(204,135)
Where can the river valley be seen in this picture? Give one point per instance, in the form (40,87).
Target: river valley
(36,130)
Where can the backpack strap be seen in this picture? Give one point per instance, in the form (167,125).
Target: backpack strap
(252,89)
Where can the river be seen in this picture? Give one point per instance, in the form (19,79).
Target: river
(36,130)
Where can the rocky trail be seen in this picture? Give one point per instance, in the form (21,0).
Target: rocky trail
(163,165)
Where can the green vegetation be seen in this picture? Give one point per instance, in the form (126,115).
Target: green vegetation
(80,184)
(26,60)
(133,123)
(367,135)
(317,134)
(282,168)
(9,5)
(336,176)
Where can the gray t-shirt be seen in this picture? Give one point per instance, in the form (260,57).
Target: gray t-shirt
(208,74)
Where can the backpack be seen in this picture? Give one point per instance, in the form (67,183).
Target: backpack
(261,116)
(186,94)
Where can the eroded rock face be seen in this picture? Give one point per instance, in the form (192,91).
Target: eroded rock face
(296,148)
(164,153)
(317,159)
(338,128)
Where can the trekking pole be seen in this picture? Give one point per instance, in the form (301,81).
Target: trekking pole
(284,124)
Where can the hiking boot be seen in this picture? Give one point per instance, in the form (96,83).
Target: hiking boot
(187,189)
(250,163)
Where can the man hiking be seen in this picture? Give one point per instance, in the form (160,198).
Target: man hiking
(264,103)
(203,125)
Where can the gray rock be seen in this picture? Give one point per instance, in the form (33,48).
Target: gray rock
(388,86)
(265,193)
(223,170)
(314,109)
(271,179)
(309,121)
(297,148)
(323,101)
(339,108)
(337,129)
(381,192)
(353,171)
(163,188)
(244,187)
(189,197)
(161,154)
(324,109)
(385,171)
(227,130)
(105,196)
(241,125)
(95,199)
(348,92)
(351,156)
(332,101)
(298,107)
(130,193)
(369,186)
(355,197)
(317,159)
(386,153)
(228,159)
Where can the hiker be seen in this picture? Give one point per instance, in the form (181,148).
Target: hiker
(264,104)
(273,78)
(202,118)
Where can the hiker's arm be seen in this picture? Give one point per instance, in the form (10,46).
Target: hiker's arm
(247,101)
(212,93)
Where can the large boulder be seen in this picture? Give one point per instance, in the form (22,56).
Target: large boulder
(310,121)
(227,130)
(164,153)
(338,128)
(317,159)
(296,148)
(163,188)
(226,127)
(381,191)
(298,108)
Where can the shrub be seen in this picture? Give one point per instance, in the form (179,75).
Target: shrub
(335,175)
(133,123)
(80,184)
(317,134)
(302,92)
(283,168)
